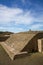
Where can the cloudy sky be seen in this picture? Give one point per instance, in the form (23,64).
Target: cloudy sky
(21,15)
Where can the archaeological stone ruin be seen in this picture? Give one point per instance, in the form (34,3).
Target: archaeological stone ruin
(22,43)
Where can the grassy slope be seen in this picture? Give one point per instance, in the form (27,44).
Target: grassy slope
(33,59)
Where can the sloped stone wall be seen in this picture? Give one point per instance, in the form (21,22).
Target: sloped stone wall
(32,45)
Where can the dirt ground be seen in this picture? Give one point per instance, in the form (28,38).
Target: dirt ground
(29,59)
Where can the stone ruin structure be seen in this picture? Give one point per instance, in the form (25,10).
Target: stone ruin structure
(22,43)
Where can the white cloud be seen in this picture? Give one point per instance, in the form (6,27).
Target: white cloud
(36,26)
(15,14)
(39,19)
(19,16)
(7,14)
(11,29)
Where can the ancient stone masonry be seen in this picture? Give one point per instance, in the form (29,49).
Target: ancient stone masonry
(40,45)
(22,43)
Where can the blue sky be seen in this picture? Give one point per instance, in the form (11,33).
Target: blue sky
(21,15)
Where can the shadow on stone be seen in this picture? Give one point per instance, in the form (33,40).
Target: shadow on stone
(22,55)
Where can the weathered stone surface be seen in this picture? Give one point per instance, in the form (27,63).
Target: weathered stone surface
(40,45)
(21,43)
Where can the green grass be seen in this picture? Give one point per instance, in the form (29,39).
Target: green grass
(30,59)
